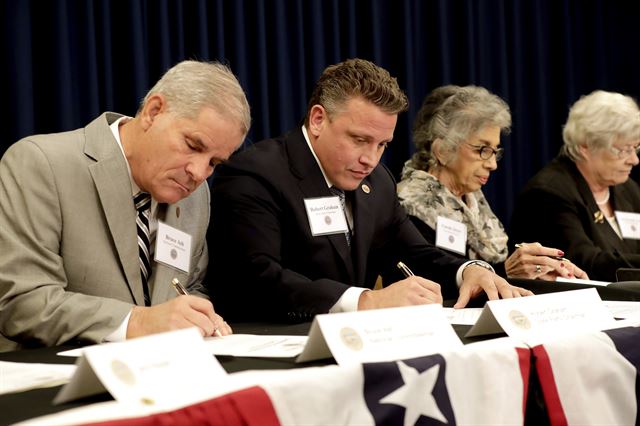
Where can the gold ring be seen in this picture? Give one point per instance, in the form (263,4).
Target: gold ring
(538,269)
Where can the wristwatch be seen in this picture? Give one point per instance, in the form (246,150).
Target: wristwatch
(482,263)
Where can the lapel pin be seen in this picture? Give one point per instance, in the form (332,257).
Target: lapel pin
(178,212)
(598,217)
(365,188)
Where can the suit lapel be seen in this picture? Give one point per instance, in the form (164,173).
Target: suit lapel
(312,184)
(111,177)
(363,227)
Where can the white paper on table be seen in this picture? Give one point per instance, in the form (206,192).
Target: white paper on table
(464,316)
(164,369)
(581,281)
(22,376)
(623,309)
(253,345)
(380,335)
(535,319)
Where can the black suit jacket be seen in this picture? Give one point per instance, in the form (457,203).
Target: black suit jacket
(264,261)
(557,209)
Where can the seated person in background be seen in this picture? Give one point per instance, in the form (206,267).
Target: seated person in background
(74,264)
(277,255)
(572,202)
(457,136)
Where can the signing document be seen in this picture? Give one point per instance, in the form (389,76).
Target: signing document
(252,345)
(380,335)
(537,319)
(20,376)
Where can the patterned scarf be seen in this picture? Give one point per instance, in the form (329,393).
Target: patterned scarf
(423,196)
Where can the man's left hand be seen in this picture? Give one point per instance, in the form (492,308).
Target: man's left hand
(476,279)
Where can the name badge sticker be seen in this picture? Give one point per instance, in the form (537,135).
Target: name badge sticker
(325,216)
(451,235)
(173,247)
(629,224)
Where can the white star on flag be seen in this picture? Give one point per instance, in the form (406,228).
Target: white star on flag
(416,394)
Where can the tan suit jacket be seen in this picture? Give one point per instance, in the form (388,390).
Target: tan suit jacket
(68,243)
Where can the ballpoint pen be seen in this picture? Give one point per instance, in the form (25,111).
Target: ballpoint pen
(183,292)
(405,270)
(519,245)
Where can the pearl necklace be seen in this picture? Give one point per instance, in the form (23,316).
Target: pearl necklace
(603,202)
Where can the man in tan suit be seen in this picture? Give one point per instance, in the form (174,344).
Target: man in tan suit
(70,260)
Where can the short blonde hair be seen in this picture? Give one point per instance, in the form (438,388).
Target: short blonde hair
(597,120)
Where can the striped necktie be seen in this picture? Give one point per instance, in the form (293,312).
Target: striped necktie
(340,194)
(142,201)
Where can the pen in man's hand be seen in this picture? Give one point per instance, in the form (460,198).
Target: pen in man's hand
(405,270)
(179,288)
(183,292)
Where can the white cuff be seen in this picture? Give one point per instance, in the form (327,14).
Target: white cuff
(120,333)
(348,302)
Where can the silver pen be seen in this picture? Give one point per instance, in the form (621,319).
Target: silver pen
(183,292)
(405,270)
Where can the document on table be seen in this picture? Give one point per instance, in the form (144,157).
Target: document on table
(465,316)
(22,376)
(623,309)
(581,281)
(252,345)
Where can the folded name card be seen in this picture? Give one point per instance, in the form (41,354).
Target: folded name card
(166,369)
(535,319)
(380,335)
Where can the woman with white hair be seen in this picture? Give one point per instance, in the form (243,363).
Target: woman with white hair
(457,136)
(584,200)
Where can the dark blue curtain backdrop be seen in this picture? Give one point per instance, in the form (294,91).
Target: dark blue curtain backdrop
(66,61)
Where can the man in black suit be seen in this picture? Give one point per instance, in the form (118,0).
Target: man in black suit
(276,255)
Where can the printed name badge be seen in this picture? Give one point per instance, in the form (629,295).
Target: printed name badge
(325,215)
(173,247)
(629,224)
(451,235)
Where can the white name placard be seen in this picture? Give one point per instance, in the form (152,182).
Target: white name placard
(165,369)
(380,335)
(629,224)
(536,319)
(173,247)
(451,235)
(326,216)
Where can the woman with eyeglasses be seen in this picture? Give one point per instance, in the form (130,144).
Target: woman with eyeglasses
(457,136)
(584,200)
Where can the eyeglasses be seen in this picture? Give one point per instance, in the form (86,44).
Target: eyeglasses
(626,152)
(486,151)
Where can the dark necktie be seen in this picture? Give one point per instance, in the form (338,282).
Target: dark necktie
(142,201)
(340,194)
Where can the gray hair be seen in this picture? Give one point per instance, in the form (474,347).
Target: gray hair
(453,114)
(597,120)
(190,86)
(357,78)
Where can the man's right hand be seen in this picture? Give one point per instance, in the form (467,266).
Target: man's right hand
(410,291)
(178,313)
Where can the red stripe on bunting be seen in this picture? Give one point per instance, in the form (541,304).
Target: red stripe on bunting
(549,388)
(247,407)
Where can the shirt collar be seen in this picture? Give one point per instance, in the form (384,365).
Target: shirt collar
(306,138)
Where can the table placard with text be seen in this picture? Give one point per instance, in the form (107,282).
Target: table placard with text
(380,335)
(535,319)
